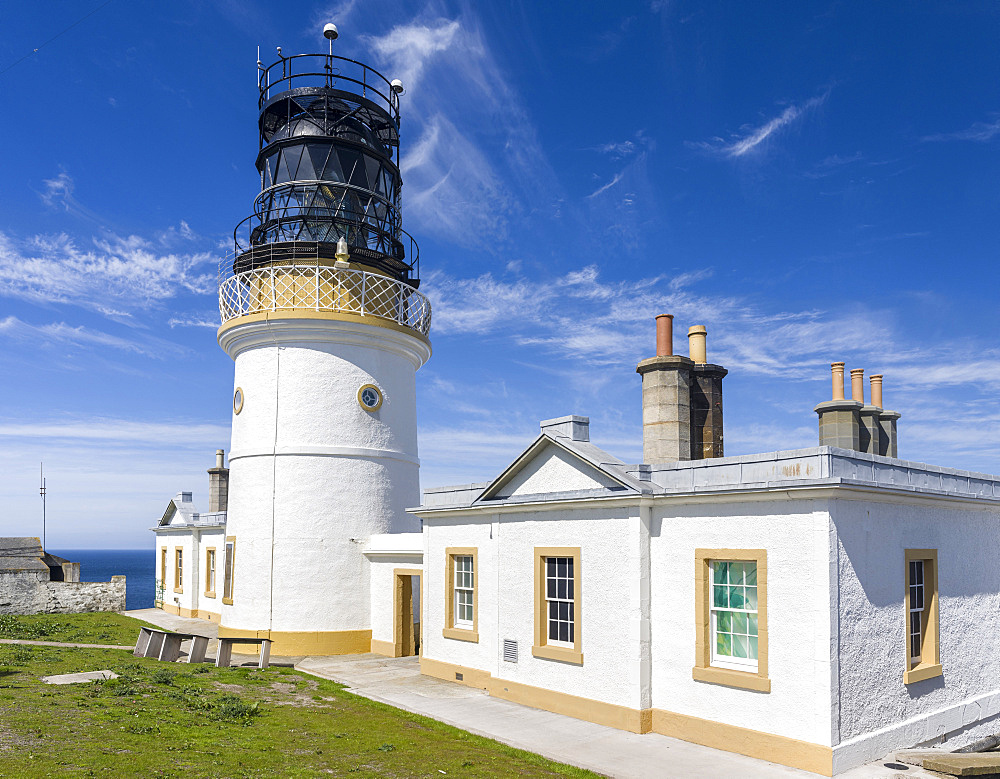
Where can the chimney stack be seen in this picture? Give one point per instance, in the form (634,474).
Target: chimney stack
(839,419)
(851,424)
(681,399)
(218,484)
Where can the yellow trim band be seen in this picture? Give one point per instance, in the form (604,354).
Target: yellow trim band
(180,611)
(291,643)
(375,321)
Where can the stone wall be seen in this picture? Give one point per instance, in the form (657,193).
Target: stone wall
(30,592)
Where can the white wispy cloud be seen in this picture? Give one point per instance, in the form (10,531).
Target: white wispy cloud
(60,333)
(751,138)
(204,320)
(979,131)
(118,273)
(605,187)
(476,155)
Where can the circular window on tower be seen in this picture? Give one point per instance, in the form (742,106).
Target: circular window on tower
(370,397)
(238,400)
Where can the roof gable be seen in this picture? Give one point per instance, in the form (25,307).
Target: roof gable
(554,466)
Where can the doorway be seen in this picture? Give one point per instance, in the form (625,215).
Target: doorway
(406,605)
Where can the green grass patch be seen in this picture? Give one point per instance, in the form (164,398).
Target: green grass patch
(159,719)
(104,627)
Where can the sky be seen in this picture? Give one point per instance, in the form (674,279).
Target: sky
(812,182)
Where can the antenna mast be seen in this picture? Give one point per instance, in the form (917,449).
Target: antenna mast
(41,491)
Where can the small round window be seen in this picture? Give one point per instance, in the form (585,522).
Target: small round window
(238,400)
(370,397)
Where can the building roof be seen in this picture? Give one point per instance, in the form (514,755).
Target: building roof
(181,513)
(542,474)
(21,554)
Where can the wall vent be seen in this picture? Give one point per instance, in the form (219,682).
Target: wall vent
(509,651)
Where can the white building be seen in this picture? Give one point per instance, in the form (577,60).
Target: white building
(816,608)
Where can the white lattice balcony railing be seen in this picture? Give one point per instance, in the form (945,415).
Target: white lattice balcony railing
(318,287)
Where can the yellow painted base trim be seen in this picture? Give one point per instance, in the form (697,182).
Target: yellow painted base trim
(471,677)
(743,741)
(922,672)
(180,611)
(384,648)
(292,643)
(335,316)
(621,717)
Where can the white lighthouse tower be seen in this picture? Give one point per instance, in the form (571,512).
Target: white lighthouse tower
(321,314)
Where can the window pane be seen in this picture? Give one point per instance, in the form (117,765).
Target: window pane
(750,570)
(723,645)
(550,566)
(739,646)
(569,591)
(569,567)
(719,596)
(561,567)
(564,631)
(560,588)
(724,621)
(719,572)
(752,624)
(572,631)
(550,588)
(740,623)
(736,573)
(753,648)
(736,598)
(751,598)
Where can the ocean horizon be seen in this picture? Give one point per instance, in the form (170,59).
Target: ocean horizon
(99,565)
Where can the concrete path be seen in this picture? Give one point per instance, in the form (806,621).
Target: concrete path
(62,643)
(79,678)
(177,624)
(608,751)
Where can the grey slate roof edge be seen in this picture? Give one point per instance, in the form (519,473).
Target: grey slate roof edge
(594,456)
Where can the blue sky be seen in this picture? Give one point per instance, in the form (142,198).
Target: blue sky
(812,183)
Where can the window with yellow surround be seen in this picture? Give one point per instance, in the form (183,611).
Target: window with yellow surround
(731,618)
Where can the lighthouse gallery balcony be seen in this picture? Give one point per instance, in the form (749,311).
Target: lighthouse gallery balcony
(297,282)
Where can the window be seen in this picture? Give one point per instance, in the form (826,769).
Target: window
(557,604)
(731,618)
(178,569)
(163,565)
(920,605)
(734,615)
(461,617)
(210,572)
(227,582)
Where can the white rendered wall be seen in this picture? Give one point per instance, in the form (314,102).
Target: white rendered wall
(796,535)
(312,474)
(877,711)
(612,630)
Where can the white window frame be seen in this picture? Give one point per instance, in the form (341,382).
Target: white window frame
(726,661)
(465,588)
(563,601)
(917,605)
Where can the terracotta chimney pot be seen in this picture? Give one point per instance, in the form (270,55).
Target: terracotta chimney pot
(665,335)
(858,385)
(876,381)
(837,369)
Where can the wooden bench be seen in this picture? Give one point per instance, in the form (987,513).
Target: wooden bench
(225,653)
(166,646)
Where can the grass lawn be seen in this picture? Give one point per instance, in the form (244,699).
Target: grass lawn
(101,628)
(168,719)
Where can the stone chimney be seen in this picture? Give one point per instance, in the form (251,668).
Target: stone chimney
(885,421)
(666,400)
(681,399)
(218,483)
(706,398)
(839,419)
(869,432)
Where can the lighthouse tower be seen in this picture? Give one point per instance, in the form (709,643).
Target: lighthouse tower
(322,317)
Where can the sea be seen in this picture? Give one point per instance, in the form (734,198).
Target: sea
(99,565)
